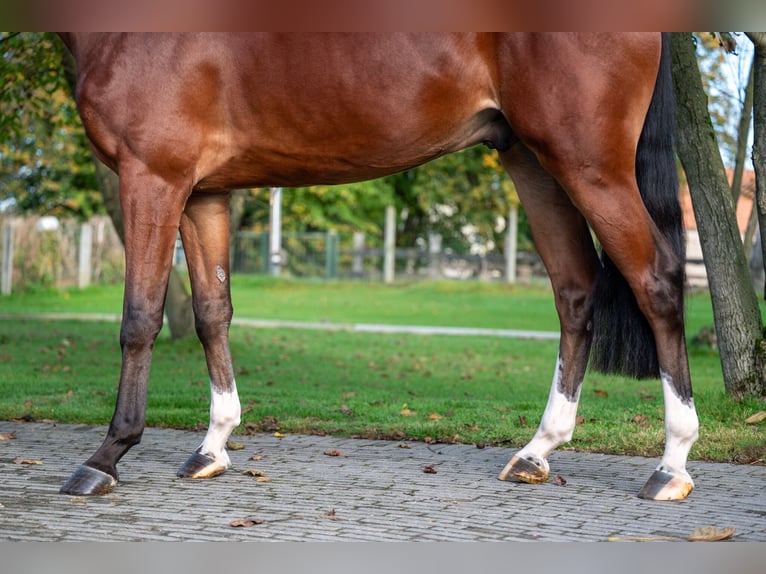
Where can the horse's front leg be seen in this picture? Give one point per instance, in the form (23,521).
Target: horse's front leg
(151,211)
(205,233)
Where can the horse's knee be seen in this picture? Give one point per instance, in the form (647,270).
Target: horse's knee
(574,304)
(212,319)
(140,327)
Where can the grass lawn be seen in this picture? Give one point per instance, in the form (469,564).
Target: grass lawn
(443,388)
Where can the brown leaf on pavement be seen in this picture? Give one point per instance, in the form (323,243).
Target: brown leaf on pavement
(711,534)
(333,453)
(429,470)
(560,480)
(7,435)
(27,461)
(253,472)
(256,457)
(404,446)
(231,445)
(245,522)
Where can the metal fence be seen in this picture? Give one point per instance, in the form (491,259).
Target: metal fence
(347,256)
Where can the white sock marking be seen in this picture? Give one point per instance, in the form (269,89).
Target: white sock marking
(681,429)
(225,414)
(557,424)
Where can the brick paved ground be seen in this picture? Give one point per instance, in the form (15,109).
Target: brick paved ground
(374,491)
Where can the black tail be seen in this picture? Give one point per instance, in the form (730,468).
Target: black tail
(623,343)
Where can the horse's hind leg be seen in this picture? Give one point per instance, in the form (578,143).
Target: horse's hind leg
(151,208)
(564,243)
(205,234)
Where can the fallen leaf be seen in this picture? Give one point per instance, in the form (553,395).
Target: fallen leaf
(429,440)
(279,435)
(480,445)
(435,416)
(522,420)
(333,453)
(639,419)
(404,446)
(429,470)
(245,522)
(346,411)
(262,479)
(711,534)
(256,457)
(579,420)
(231,445)
(560,480)
(27,461)
(756,418)
(77,500)
(406,412)
(600,393)
(331,515)
(253,472)
(7,435)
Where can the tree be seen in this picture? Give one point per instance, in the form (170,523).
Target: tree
(45,163)
(759,145)
(735,307)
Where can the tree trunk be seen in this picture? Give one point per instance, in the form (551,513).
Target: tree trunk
(178,305)
(735,306)
(759,133)
(742,133)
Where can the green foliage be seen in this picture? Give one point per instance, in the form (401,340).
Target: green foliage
(46,166)
(724,77)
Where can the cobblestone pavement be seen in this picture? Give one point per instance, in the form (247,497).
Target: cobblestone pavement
(373,491)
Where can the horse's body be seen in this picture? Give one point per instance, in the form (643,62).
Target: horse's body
(183,119)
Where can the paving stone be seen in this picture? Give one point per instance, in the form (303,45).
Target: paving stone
(377,491)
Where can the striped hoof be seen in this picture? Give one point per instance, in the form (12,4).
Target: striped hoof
(201,466)
(531,470)
(88,481)
(663,485)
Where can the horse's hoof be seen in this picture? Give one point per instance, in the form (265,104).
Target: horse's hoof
(88,481)
(529,470)
(201,466)
(666,486)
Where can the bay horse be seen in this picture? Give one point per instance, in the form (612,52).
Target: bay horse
(583,124)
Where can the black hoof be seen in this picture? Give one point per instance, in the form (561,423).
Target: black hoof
(88,481)
(200,466)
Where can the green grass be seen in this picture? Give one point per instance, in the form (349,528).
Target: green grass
(446,388)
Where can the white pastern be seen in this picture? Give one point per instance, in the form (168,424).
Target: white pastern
(681,429)
(225,413)
(557,424)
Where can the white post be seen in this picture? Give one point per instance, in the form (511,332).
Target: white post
(275,231)
(389,245)
(511,244)
(6,281)
(86,247)
(434,255)
(357,262)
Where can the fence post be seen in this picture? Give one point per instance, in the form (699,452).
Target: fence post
(275,231)
(6,283)
(434,255)
(389,245)
(511,244)
(84,260)
(357,263)
(331,255)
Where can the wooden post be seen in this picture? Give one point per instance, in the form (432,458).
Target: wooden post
(511,244)
(6,281)
(275,231)
(389,245)
(84,260)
